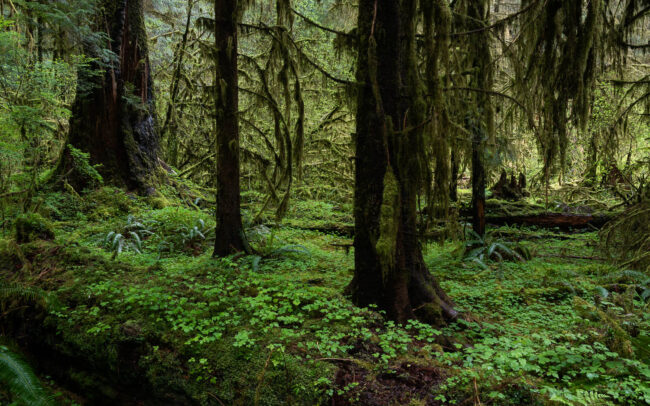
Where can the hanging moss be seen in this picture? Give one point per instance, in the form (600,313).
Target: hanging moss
(437,20)
(564,37)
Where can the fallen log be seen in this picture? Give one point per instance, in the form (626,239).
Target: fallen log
(342,230)
(552,220)
(565,222)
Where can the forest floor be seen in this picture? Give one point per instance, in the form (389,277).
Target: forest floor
(152,318)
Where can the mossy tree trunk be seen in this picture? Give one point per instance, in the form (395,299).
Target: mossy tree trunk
(478,183)
(389,267)
(481,120)
(113,114)
(592,161)
(230,232)
(455,167)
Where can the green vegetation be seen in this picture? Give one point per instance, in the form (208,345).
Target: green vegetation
(32,226)
(550,329)
(323,202)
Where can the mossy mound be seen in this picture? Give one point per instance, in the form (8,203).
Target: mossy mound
(31,227)
(158,202)
(108,202)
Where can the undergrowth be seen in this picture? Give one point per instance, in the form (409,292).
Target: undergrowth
(561,327)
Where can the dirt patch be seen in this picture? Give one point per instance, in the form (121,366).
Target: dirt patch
(407,384)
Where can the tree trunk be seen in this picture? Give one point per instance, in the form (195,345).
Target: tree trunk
(230,232)
(113,114)
(482,124)
(478,184)
(455,167)
(592,162)
(389,267)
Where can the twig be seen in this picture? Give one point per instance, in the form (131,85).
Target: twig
(261,379)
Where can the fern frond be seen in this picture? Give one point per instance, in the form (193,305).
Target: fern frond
(21,381)
(16,291)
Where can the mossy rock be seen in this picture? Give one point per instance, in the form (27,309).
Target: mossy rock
(31,227)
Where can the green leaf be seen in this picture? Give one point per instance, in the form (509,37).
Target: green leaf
(21,381)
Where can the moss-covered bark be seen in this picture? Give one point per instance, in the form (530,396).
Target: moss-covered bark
(113,114)
(230,234)
(389,267)
(481,122)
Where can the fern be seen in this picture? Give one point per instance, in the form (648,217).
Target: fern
(10,291)
(580,398)
(20,380)
(591,398)
(267,246)
(129,239)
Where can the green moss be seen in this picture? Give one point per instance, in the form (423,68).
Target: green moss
(620,339)
(158,202)
(9,258)
(108,202)
(32,226)
(86,173)
(388,224)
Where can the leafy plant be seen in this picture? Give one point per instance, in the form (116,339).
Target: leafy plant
(581,398)
(268,246)
(130,238)
(636,280)
(481,250)
(20,380)
(187,238)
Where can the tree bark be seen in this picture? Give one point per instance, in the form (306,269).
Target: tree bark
(113,114)
(482,124)
(455,167)
(478,184)
(230,232)
(389,267)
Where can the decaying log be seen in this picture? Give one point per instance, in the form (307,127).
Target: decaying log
(551,220)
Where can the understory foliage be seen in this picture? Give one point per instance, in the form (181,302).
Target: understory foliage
(549,330)
(627,238)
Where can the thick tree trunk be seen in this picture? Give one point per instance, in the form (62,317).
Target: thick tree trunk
(113,114)
(230,232)
(389,267)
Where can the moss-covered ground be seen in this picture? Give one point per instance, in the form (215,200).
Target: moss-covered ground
(151,318)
